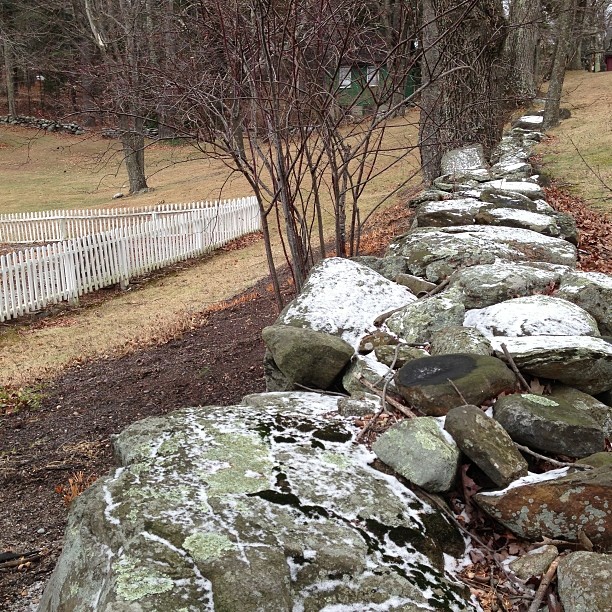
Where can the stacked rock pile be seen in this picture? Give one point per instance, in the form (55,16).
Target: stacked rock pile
(479,321)
(49,125)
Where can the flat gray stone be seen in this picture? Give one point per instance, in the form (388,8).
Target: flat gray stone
(421,452)
(548,424)
(424,383)
(531,190)
(459,339)
(598,411)
(280,498)
(418,321)
(591,291)
(435,253)
(486,285)
(583,362)
(535,563)
(585,582)
(486,443)
(534,315)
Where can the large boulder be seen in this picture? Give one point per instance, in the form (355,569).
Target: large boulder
(435,253)
(486,285)
(534,315)
(421,452)
(593,292)
(343,297)
(417,322)
(583,362)
(555,505)
(256,509)
(433,384)
(307,357)
(585,582)
(486,443)
(549,424)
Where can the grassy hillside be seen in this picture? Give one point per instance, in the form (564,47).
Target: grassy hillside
(583,140)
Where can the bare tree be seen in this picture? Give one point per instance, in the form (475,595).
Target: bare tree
(121,32)
(462,76)
(521,49)
(563,31)
(295,96)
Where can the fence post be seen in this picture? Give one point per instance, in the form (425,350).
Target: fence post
(70,272)
(124,283)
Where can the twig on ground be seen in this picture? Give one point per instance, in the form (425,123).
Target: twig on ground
(539,596)
(438,288)
(405,411)
(578,466)
(454,386)
(513,367)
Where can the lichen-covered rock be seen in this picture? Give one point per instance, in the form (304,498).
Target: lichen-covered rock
(603,459)
(396,356)
(585,582)
(389,267)
(251,509)
(419,320)
(275,379)
(371,370)
(555,505)
(343,297)
(486,285)
(305,356)
(549,424)
(486,443)
(583,362)
(555,224)
(535,562)
(528,122)
(425,383)
(460,211)
(512,199)
(360,405)
(435,253)
(534,315)
(598,411)
(593,292)
(459,339)
(419,450)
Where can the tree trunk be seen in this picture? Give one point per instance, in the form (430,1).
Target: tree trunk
(555,87)
(132,140)
(10,77)
(463,106)
(521,49)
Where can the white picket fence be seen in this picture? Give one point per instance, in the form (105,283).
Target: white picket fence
(35,277)
(57,225)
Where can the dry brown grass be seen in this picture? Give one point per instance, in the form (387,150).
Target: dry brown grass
(49,171)
(588,132)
